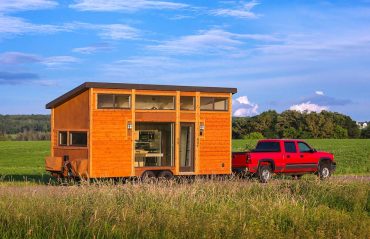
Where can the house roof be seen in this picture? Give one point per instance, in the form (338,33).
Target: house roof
(87,85)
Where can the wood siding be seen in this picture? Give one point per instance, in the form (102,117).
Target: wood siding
(72,115)
(111,140)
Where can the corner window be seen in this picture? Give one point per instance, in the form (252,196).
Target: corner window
(155,102)
(78,139)
(113,101)
(187,103)
(62,138)
(303,147)
(212,103)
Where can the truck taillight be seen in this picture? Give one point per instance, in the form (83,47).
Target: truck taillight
(248,158)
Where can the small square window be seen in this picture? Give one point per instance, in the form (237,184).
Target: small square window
(187,103)
(221,104)
(105,101)
(78,139)
(62,140)
(206,103)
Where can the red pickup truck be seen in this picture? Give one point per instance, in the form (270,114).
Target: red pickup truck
(283,156)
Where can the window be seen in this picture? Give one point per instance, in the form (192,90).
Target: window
(62,141)
(78,139)
(303,147)
(111,101)
(212,103)
(290,147)
(153,102)
(187,103)
(268,147)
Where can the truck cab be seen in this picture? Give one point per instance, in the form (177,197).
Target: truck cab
(283,156)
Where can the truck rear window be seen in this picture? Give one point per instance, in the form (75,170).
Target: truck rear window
(267,147)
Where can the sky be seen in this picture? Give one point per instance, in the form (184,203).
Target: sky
(298,55)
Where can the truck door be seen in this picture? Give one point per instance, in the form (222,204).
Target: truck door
(291,156)
(306,157)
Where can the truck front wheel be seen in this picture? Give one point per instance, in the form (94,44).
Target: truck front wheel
(325,171)
(264,173)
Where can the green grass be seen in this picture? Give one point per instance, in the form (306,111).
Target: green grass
(203,209)
(352,155)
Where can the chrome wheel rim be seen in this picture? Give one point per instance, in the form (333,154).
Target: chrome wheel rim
(265,174)
(325,172)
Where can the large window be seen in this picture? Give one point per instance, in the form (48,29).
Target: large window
(213,103)
(78,139)
(290,147)
(155,102)
(267,147)
(113,101)
(187,103)
(303,148)
(154,144)
(62,138)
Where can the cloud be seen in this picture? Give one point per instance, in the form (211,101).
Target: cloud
(93,48)
(124,5)
(11,78)
(308,107)
(244,10)
(319,92)
(321,99)
(212,41)
(16,58)
(25,5)
(243,107)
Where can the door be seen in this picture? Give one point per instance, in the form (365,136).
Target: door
(291,157)
(307,156)
(187,147)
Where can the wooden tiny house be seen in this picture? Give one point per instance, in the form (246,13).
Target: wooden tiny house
(123,130)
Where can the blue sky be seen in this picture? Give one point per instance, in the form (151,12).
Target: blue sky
(301,55)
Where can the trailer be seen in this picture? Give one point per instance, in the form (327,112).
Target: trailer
(119,130)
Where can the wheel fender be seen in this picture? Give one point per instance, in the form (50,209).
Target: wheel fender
(323,160)
(267,162)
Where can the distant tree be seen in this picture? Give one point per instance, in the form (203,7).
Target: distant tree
(365,133)
(254,135)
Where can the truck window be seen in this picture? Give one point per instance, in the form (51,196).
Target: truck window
(290,147)
(267,147)
(303,147)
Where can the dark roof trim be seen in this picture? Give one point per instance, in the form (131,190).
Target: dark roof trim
(87,85)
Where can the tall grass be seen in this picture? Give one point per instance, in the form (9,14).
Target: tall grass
(203,209)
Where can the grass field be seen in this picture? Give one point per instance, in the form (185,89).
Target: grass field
(232,208)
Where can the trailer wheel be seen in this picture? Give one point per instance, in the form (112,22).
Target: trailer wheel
(165,175)
(264,173)
(148,177)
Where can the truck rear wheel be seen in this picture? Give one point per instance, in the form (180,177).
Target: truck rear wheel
(325,171)
(264,173)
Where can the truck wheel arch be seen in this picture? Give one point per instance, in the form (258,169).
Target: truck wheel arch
(266,161)
(324,161)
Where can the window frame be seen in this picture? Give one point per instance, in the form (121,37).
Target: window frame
(70,138)
(194,102)
(226,99)
(114,102)
(59,138)
(173,97)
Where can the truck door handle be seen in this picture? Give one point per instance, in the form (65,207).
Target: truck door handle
(288,156)
(302,156)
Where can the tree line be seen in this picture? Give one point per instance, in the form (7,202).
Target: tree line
(24,127)
(294,124)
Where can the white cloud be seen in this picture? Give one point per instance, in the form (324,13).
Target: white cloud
(16,58)
(124,5)
(211,41)
(93,48)
(243,107)
(318,92)
(244,10)
(25,5)
(308,107)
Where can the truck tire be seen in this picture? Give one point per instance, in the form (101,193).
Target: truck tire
(165,175)
(264,173)
(324,171)
(148,177)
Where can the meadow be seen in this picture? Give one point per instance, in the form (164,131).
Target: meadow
(30,207)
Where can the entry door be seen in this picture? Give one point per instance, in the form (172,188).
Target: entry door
(187,147)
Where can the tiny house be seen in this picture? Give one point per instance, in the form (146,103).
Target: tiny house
(105,130)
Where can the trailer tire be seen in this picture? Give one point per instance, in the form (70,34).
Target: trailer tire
(148,177)
(264,173)
(165,175)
